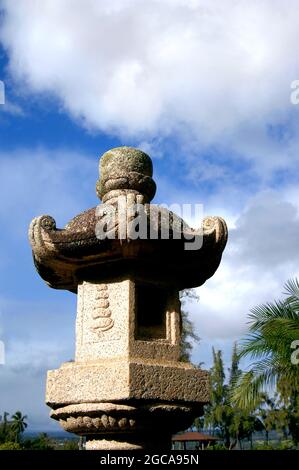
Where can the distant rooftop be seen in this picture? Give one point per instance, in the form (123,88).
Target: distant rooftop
(193,436)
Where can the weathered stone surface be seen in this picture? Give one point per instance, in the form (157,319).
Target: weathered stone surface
(143,426)
(103,381)
(127,379)
(125,168)
(110,332)
(65,258)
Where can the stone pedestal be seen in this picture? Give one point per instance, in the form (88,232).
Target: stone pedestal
(127,388)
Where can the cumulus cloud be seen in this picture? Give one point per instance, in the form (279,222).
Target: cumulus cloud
(262,254)
(210,72)
(267,233)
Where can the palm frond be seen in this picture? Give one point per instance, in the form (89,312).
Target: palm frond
(292,288)
(273,328)
(250,387)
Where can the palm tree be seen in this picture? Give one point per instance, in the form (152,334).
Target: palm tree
(273,329)
(18,424)
(4,427)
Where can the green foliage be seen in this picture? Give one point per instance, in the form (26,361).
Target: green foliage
(215,447)
(232,424)
(11,430)
(70,445)
(263,446)
(18,424)
(286,444)
(187,328)
(274,326)
(41,442)
(9,445)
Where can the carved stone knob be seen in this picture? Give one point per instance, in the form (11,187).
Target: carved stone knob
(123,170)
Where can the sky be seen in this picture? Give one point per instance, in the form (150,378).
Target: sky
(202,86)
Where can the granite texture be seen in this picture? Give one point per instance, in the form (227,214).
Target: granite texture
(84,249)
(127,379)
(113,379)
(125,426)
(110,331)
(126,168)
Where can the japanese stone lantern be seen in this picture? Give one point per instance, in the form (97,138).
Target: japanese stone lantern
(127,260)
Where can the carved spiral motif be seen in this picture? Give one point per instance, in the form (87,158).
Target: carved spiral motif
(39,227)
(101,314)
(47,222)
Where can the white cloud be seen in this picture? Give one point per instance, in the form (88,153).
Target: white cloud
(209,72)
(262,254)
(267,233)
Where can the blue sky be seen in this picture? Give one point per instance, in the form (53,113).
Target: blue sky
(205,90)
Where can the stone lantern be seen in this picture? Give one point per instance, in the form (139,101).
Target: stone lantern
(127,260)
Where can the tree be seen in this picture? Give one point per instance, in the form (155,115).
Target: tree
(8,445)
(287,416)
(273,330)
(18,424)
(232,423)
(218,414)
(41,442)
(71,445)
(4,428)
(187,328)
(265,414)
